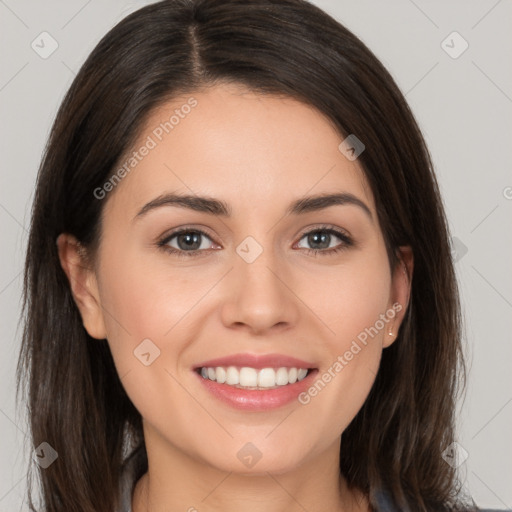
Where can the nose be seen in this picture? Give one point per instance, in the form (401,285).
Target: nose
(260,295)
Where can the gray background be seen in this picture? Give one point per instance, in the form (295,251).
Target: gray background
(463,106)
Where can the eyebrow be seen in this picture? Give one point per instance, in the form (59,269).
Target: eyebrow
(218,207)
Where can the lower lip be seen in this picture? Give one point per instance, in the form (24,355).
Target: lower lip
(257,400)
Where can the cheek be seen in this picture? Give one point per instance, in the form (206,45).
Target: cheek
(350,299)
(143,300)
(145,309)
(351,304)
(151,309)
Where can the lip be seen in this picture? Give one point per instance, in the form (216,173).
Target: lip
(257,361)
(254,399)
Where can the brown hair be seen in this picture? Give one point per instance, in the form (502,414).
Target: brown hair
(76,401)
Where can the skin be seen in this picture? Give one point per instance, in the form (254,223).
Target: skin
(258,154)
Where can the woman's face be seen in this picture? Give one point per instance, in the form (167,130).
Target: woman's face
(276,273)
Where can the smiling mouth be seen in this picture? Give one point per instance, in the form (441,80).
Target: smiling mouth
(254,379)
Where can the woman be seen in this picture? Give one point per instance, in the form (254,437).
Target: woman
(188,345)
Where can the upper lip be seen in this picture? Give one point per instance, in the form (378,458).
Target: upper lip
(256,361)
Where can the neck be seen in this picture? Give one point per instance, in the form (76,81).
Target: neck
(176,481)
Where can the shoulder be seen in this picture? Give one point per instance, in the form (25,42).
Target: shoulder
(386,504)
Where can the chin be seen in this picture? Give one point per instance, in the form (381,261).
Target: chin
(250,460)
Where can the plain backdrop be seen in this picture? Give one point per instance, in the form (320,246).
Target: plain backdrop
(459,86)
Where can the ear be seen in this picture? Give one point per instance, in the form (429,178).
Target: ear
(83,284)
(400,293)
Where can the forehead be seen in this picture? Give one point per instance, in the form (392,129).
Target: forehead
(250,149)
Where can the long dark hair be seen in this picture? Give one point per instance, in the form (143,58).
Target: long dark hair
(76,401)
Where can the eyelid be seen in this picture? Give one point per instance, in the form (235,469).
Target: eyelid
(345,237)
(326,227)
(164,239)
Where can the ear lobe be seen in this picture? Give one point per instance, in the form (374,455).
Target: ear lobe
(83,284)
(400,293)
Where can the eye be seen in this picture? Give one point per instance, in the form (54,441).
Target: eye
(186,242)
(322,239)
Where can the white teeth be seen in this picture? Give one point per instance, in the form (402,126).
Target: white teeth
(247,377)
(220,375)
(266,378)
(282,377)
(301,374)
(232,376)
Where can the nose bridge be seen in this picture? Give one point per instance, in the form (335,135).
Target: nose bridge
(261,299)
(256,267)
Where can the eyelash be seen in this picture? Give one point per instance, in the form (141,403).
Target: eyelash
(347,242)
